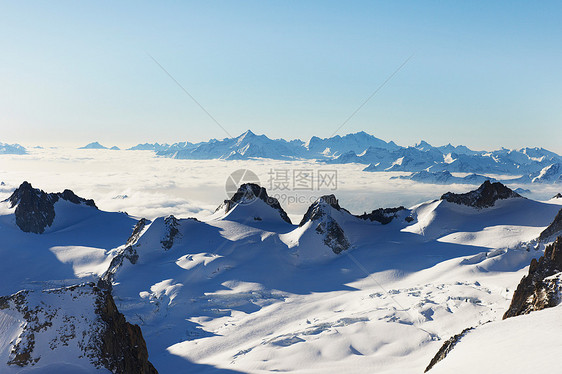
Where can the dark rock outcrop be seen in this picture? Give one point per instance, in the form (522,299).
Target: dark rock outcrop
(320,216)
(172,231)
(484,197)
(123,349)
(35,209)
(555,228)
(384,215)
(557,196)
(137,230)
(248,193)
(446,348)
(539,290)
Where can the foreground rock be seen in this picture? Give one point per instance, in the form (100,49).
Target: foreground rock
(77,327)
(484,197)
(542,287)
(446,348)
(35,209)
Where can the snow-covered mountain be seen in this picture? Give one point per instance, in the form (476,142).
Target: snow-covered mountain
(11,149)
(443,177)
(93,145)
(533,165)
(246,290)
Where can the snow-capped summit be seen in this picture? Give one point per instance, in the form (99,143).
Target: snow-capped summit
(251,202)
(35,209)
(325,217)
(93,145)
(11,149)
(485,196)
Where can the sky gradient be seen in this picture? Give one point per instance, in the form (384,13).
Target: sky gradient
(483,74)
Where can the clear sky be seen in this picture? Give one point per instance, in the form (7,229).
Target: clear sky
(484,74)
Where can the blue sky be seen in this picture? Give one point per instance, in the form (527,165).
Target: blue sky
(484,74)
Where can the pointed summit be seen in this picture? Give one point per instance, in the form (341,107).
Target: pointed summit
(323,216)
(258,201)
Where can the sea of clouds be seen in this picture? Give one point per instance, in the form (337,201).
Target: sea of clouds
(144,185)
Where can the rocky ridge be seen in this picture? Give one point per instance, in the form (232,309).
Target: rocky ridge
(35,209)
(484,197)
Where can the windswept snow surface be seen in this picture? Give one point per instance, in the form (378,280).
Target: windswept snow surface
(523,344)
(233,295)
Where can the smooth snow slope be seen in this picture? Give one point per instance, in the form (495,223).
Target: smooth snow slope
(74,249)
(524,344)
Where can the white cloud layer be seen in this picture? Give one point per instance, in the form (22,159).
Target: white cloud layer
(147,186)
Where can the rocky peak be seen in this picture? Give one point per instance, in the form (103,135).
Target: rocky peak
(542,287)
(484,197)
(384,215)
(247,193)
(35,209)
(321,207)
(557,196)
(319,214)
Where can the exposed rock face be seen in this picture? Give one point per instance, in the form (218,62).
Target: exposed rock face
(123,349)
(484,197)
(320,216)
(172,231)
(247,193)
(384,215)
(446,348)
(51,328)
(35,209)
(555,228)
(542,287)
(557,196)
(137,230)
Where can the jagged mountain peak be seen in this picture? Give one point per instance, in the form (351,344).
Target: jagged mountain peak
(323,216)
(247,194)
(557,196)
(484,196)
(35,208)
(321,207)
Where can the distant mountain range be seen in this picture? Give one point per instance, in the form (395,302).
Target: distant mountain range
(531,165)
(11,149)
